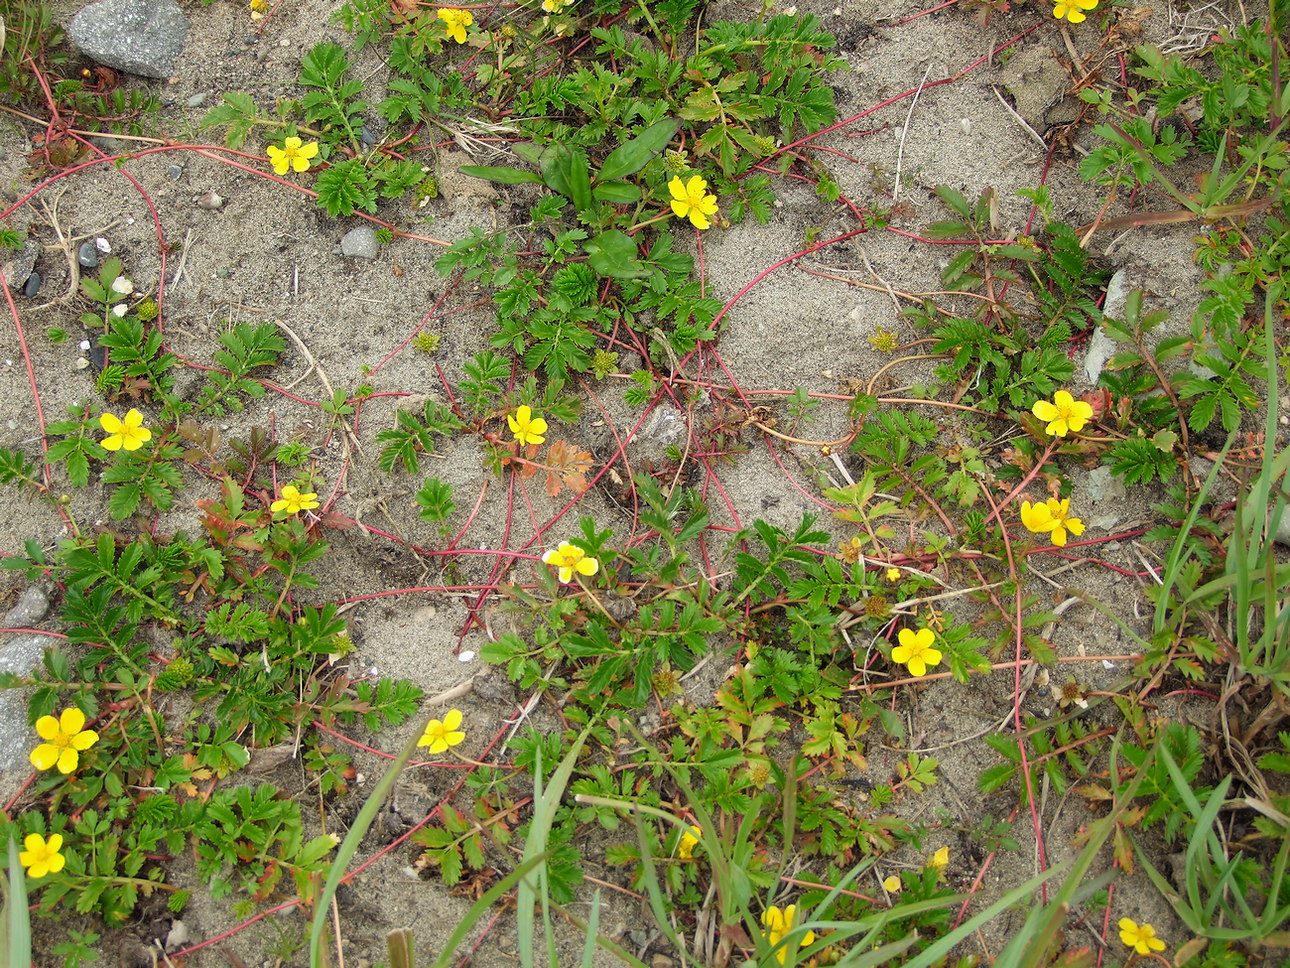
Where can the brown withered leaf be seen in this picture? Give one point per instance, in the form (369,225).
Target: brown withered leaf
(568,466)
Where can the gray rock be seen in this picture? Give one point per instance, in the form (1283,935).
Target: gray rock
(175,172)
(197,100)
(1103,486)
(1101,347)
(19,655)
(32,285)
(141,37)
(88,255)
(17,269)
(31,608)
(360,243)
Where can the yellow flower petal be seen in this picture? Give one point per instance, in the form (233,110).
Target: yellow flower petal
(67,760)
(44,756)
(72,721)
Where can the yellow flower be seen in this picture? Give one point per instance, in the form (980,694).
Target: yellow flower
(1072,10)
(570,558)
(940,859)
(65,738)
(293,502)
(42,856)
(129,433)
(293,155)
(257,13)
(1053,515)
(455,22)
(555,6)
(849,551)
(915,651)
(1140,937)
(527,428)
(440,735)
(689,839)
(691,199)
(893,575)
(778,923)
(1063,412)
(892,884)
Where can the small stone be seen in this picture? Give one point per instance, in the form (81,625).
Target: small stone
(175,172)
(143,37)
(32,285)
(103,245)
(88,256)
(31,608)
(197,100)
(1103,485)
(17,269)
(210,201)
(177,936)
(82,363)
(360,243)
(366,136)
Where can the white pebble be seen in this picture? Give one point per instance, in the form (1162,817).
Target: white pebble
(466,655)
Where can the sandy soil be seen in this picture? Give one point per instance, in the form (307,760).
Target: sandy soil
(269,254)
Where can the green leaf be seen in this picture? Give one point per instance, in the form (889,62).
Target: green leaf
(613,254)
(345,187)
(238,112)
(631,156)
(617,193)
(567,171)
(501,174)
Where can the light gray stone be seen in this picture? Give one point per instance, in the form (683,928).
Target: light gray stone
(141,37)
(31,608)
(360,243)
(1103,486)
(19,655)
(17,269)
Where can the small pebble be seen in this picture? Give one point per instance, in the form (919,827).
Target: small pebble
(366,136)
(32,285)
(31,608)
(175,172)
(360,243)
(197,100)
(210,201)
(88,256)
(103,245)
(177,936)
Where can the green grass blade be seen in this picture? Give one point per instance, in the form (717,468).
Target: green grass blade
(547,802)
(318,955)
(15,919)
